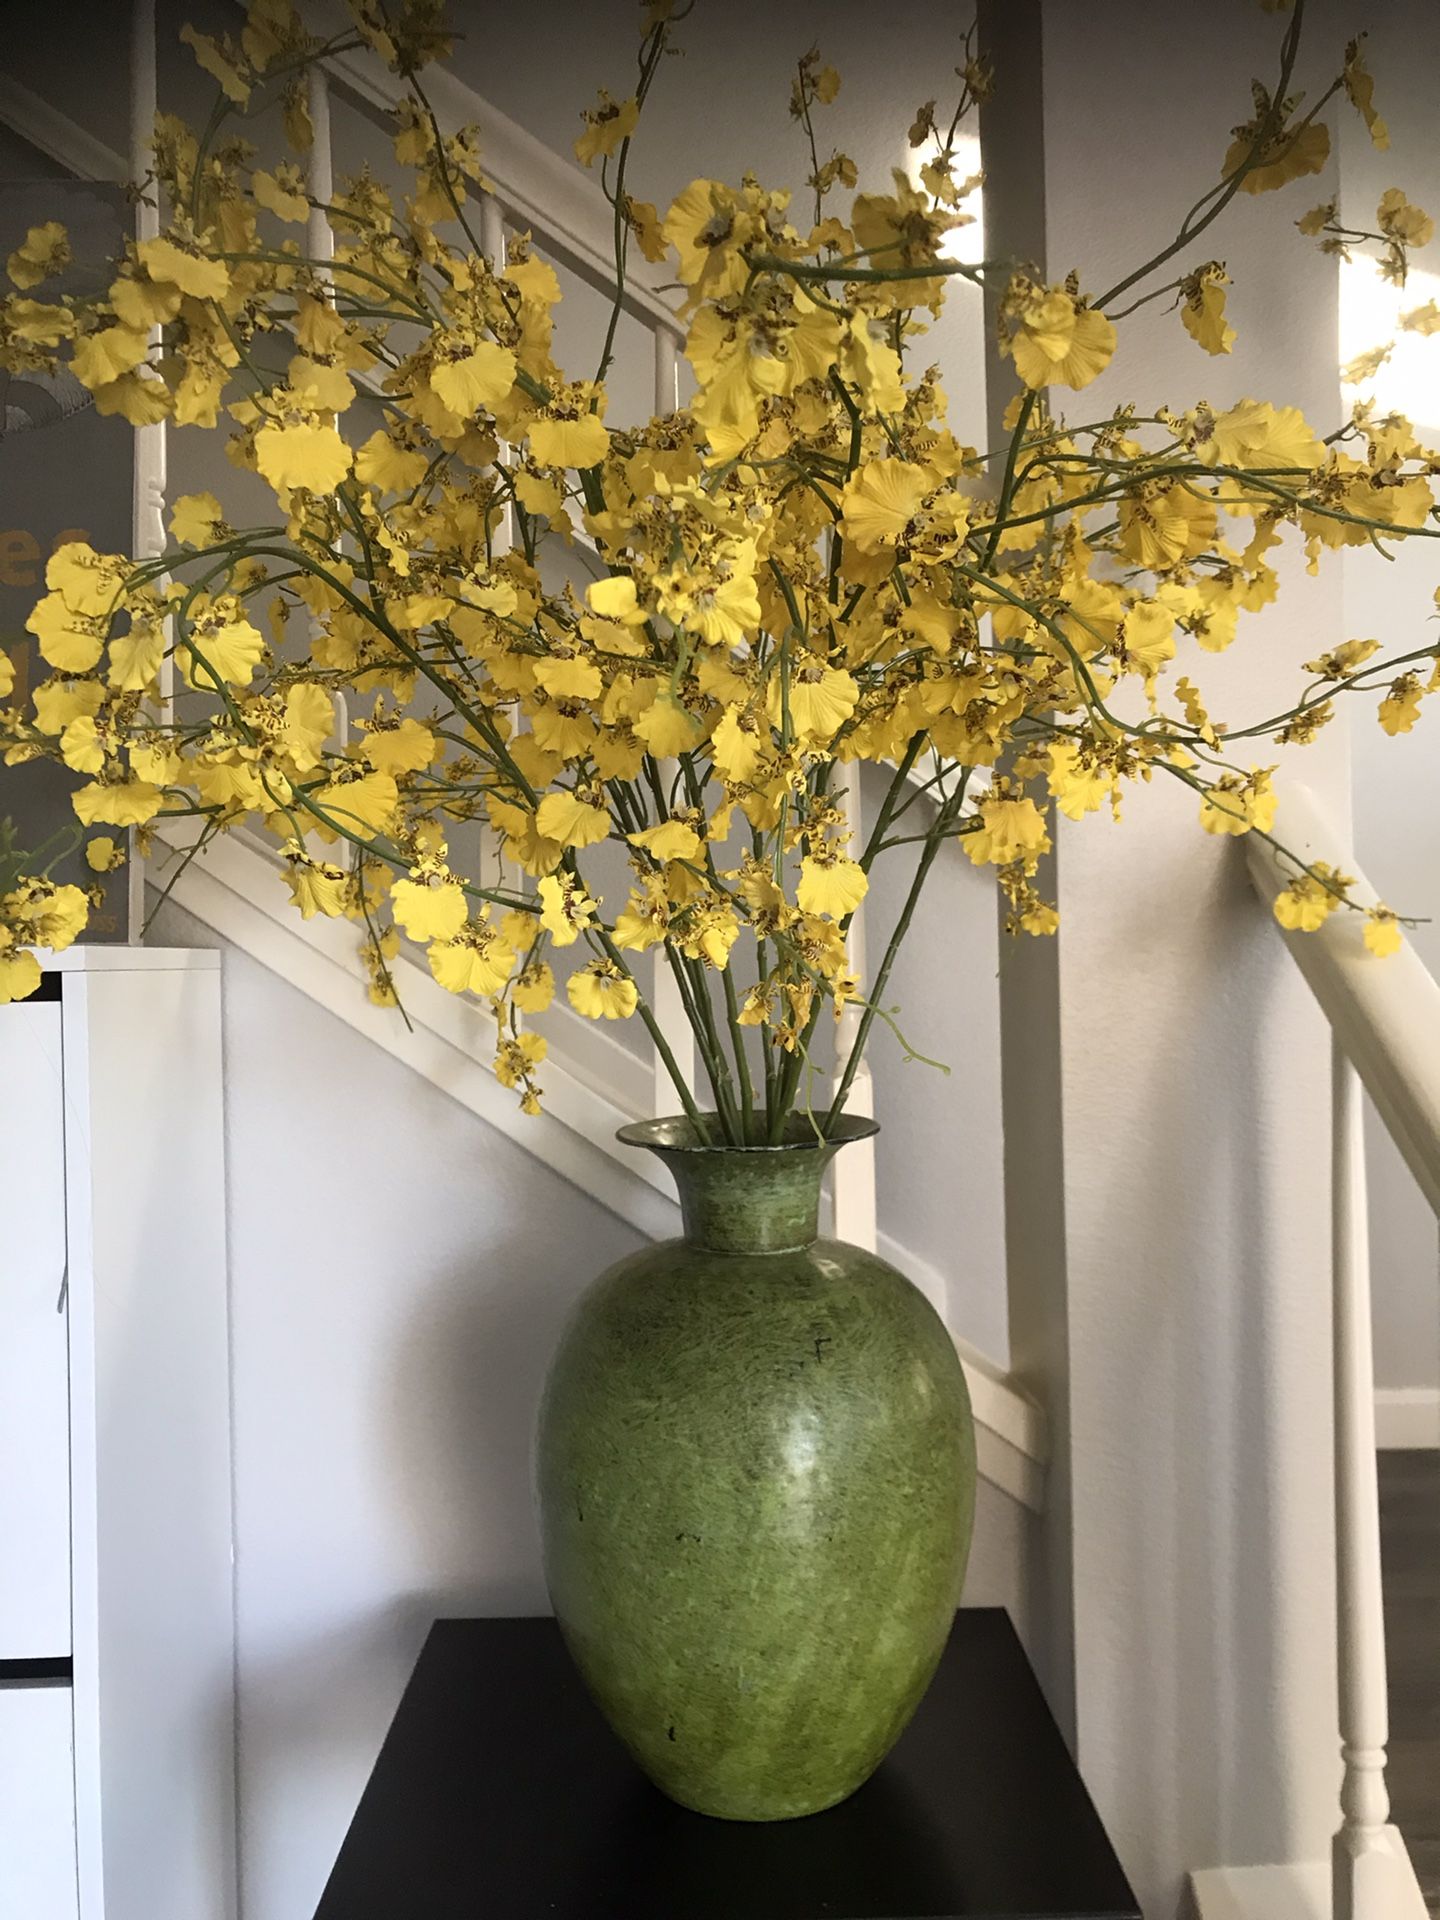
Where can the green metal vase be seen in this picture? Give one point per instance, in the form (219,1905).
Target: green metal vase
(756,1472)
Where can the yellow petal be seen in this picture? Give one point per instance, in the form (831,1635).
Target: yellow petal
(614,599)
(832,886)
(429,913)
(571,822)
(306,455)
(128,805)
(202,278)
(570,443)
(671,840)
(479,377)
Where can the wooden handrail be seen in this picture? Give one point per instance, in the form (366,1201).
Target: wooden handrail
(1385,1014)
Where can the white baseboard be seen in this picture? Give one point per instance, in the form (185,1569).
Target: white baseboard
(1407,1417)
(1299,1890)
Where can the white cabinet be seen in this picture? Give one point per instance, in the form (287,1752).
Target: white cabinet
(34,1361)
(116,1574)
(37,1804)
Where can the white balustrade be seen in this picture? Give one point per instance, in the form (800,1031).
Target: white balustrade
(665,998)
(1385,1024)
(854,1175)
(492,244)
(320,173)
(1373,1876)
(147,511)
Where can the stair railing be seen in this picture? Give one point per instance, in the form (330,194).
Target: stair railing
(1384,1020)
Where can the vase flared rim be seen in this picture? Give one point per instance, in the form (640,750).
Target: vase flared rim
(675,1133)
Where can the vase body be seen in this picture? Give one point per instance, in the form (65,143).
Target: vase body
(756,1471)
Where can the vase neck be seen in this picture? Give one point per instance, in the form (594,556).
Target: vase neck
(747,1199)
(741,1201)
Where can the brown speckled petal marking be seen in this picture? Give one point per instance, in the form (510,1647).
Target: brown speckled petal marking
(757,1482)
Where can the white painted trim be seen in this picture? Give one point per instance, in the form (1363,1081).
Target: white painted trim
(1297,1890)
(236,890)
(117,959)
(1301,1889)
(1012,1437)
(58,137)
(1407,1417)
(1385,1013)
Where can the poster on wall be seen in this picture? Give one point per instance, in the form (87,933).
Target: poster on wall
(65,474)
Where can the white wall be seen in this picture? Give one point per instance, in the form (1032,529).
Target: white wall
(399,1273)
(1192,1066)
(1397,782)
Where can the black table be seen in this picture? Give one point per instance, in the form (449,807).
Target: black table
(500,1794)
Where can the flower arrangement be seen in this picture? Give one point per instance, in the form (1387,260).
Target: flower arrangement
(800,571)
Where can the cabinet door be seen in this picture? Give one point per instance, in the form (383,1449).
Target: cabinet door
(34,1374)
(37,1805)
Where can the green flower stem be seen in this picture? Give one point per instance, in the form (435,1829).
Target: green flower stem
(1007,484)
(1220,197)
(933,843)
(656,1032)
(651,51)
(724,1080)
(887,805)
(1259,479)
(707,1042)
(1371,677)
(452,193)
(932,270)
(264,257)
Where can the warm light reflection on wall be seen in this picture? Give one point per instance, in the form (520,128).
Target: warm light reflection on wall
(963,243)
(1370,310)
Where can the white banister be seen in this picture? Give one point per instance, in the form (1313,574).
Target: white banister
(1385,1025)
(492,245)
(57,136)
(664,988)
(320,244)
(1385,1013)
(1373,1875)
(320,171)
(148,477)
(667,371)
(856,1216)
(492,847)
